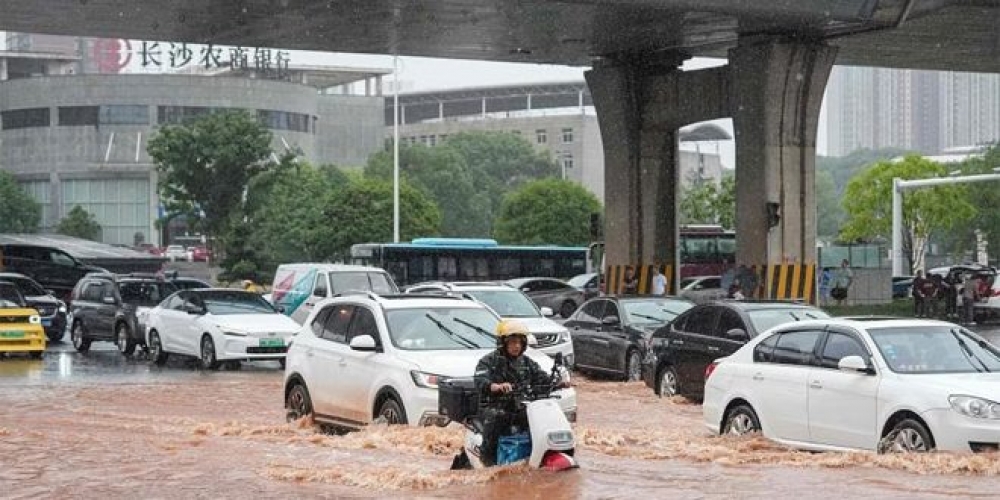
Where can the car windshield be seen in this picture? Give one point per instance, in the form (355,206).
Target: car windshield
(144,293)
(441,328)
(28,287)
(507,303)
(361,281)
(9,297)
(935,349)
(765,319)
(686,282)
(580,280)
(654,311)
(225,302)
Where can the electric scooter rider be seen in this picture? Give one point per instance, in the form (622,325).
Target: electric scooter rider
(497,375)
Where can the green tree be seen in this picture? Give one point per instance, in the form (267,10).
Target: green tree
(206,165)
(707,203)
(986,197)
(547,211)
(361,212)
(927,211)
(80,223)
(19,212)
(829,213)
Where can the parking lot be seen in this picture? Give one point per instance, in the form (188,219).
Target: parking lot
(98,425)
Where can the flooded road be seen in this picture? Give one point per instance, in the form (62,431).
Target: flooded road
(101,426)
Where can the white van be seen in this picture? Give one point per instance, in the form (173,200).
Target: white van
(298,287)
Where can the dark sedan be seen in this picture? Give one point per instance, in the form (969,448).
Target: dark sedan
(611,334)
(682,350)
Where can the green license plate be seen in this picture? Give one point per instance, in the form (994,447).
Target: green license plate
(12,335)
(272,342)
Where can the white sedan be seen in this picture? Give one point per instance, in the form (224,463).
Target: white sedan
(879,385)
(217,325)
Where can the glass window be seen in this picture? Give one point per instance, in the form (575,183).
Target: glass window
(474,268)
(447,268)
(360,281)
(729,320)
(651,312)
(61,258)
(541,136)
(120,206)
(174,302)
(175,115)
(92,291)
(611,310)
(10,296)
(838,346)
(702,321)
(320,288)
(420,269)
(935,349)
(124,115)
(76,116)
(796,348)
(507,303)
(506,268)
(224,302)
(441,328)
(144,293)
(337,323)
(284,120)
(765,319)
(24,118)
(727,248)
(567,160)
(381,283)
(319,320)
(591,312)
(764,351)
(567,135)
(363,324)
(27,286)
(699,250)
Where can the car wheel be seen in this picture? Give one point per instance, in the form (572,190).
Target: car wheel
(909,436)
(392,412)
(668,386)
(741,420)
(297,403)
(56,336)
(567,308)
(209,360)
(80,341)
(156,353)
(125,343)
(633,366)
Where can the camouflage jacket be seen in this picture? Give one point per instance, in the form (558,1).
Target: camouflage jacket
(497,368)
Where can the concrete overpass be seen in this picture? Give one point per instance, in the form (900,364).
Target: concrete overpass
(780,54)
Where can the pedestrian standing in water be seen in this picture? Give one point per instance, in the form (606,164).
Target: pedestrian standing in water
(659,281)
(631,284)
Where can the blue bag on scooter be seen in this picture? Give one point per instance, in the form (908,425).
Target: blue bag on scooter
(513,448)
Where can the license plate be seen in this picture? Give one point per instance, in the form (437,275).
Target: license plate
(46,322)
(12,335)
(279,342)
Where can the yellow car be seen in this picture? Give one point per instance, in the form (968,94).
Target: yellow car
(20,326)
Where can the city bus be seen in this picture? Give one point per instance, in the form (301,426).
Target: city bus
(706,250)
(462,259)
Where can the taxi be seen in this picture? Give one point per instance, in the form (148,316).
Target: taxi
(20,327)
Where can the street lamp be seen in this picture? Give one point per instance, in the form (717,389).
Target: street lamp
(395,148)
(900,185)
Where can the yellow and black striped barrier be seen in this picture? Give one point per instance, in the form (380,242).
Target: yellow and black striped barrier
(774,282)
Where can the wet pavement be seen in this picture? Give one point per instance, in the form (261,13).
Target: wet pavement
(102,426)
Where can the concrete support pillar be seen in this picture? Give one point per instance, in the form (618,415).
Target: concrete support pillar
(776,90)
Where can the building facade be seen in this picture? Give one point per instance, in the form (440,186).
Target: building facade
(81,139)
(557,119)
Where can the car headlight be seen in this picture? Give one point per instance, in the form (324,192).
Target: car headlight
(62,307)
(426,380)
(563,337)
(234,334)
(974,407)
(35,319)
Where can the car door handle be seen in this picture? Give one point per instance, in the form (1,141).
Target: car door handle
(758,377)
(677,342)
(712,348)
(815,384)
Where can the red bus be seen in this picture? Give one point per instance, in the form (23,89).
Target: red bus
(706,250)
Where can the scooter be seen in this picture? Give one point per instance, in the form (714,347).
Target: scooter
(552,439)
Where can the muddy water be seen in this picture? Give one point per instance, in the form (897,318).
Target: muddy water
(180,433)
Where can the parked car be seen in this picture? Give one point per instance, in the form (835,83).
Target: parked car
(589,284)
(199,254)
(20,326)
(901,286)
(52,268)
(51,310)
(148,248)
(364,357)
(218,325)
(550,292)
(510,303)
(681,351)
(297,288)
(612,334)
(111,308)
(701,289)
(882,385)
(175,253)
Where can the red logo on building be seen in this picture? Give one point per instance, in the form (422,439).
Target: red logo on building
(111,55)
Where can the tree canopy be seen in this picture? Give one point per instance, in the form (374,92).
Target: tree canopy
(547,212)
(19,212)
(707,203)
(80,223)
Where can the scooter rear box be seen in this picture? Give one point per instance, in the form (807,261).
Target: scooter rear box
(458,398)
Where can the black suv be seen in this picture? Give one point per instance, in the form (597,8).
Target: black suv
(681,351)
(51,309)
(111,308)
(56,270)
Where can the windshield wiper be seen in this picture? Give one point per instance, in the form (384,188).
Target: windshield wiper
(458,338)
(646,316)
(479,329)
(968,352)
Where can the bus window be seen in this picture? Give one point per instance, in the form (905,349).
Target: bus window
(474,268)
(398,270)
(420,269)
(506,268)
(700,250)
(727,248)
(567,268)
(447,268)
(538,267)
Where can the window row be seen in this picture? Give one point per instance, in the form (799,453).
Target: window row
(138,114)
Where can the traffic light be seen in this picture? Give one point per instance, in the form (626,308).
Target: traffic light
(773,214)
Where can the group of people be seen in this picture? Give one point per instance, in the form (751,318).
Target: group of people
(836,283)
(953,296)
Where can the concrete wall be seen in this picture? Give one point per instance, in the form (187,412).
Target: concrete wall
(349,130)
(870,286)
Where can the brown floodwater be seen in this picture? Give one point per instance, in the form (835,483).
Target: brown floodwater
(137,432)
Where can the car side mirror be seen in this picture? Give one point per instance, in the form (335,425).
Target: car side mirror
(548,312)
(738,334)
(364,343)
(611,320)
(109,300)
(854,364)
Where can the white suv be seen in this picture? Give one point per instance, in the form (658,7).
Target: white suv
(510,303)
(359,358)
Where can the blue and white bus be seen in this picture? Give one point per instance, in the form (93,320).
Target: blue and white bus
(461,259)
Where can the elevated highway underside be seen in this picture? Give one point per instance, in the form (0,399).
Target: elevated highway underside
(927,34)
